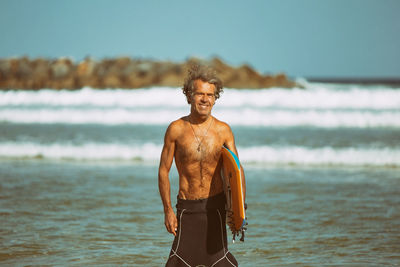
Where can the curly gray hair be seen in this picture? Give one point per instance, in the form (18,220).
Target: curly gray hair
(204,73)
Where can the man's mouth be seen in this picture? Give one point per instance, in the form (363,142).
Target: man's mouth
(203,105)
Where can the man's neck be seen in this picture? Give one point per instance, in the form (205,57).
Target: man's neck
(197,119)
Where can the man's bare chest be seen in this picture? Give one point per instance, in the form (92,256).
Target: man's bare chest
(204,148)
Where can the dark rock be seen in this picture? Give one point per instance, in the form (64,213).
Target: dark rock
(124,72)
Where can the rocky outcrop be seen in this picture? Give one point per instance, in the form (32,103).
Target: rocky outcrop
(124,72)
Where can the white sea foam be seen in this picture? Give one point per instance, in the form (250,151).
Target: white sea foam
(94,97)
(318,106)
(321,156)
(245,116)
(317,97)
(90,116)
(260,155)
(87,151)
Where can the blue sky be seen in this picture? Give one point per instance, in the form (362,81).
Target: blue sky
(314,38)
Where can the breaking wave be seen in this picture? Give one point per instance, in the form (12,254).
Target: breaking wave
(259,155)
(315,107)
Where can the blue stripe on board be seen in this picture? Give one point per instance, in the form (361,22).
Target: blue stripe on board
(234,156)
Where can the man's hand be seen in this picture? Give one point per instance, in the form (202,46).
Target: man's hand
(171,223)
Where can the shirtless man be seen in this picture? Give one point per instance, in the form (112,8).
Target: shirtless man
(195,141)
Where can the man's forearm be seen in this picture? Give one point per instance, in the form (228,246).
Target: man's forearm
(165,193)
(170,220)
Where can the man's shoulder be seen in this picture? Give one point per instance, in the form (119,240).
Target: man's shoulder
(178,123)
(222,126)
(176,127)
(224,130)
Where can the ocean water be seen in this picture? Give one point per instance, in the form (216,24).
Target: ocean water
(78,175)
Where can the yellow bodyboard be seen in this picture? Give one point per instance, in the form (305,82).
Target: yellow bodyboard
(234,191)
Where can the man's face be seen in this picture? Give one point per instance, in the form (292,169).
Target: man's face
(203,98)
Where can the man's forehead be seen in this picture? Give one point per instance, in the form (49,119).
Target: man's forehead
(202,85)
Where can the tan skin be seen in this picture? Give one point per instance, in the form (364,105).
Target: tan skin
(199,171)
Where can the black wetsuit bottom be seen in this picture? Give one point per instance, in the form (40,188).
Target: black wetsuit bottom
(201,237)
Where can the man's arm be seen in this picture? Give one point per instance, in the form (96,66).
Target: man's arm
(167,156)
(230,144)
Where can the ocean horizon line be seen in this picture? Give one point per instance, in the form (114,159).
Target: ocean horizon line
(355,80)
